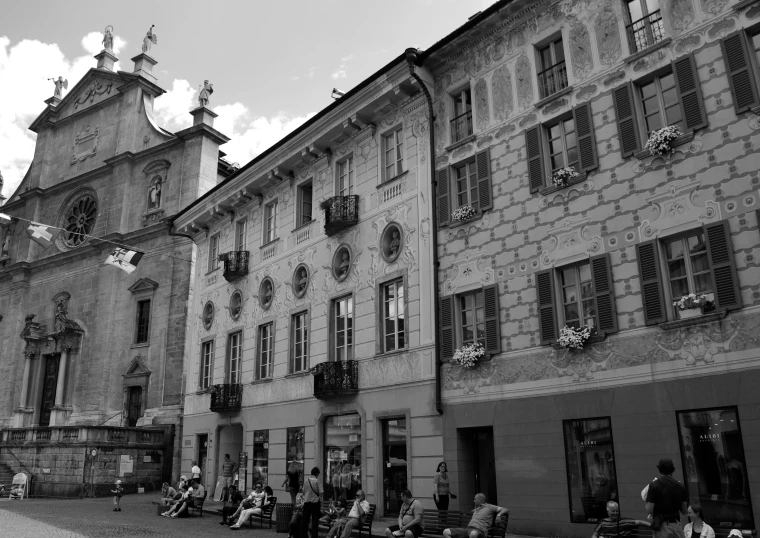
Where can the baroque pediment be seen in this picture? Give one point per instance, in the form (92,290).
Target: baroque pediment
(136,368)
(144,284)
(570,241)
(676,207)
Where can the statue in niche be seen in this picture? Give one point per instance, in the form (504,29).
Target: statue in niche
(345,265)
(6,244)
(154,194)
(303,280)
(205,93)
(61,316)
(149,38)
(395,244)
(108,38)
(60,85)
(267,293)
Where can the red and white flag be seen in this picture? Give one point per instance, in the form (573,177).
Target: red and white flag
(43,234)
(124,259)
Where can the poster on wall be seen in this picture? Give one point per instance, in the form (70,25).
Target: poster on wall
(126,465)
(19,487)
(219,489)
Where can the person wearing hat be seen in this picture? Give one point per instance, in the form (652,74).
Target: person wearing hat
(666,500)
(735,533)
(117,493)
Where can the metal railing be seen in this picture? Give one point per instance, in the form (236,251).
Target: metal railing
(461,127)
(226,397)
(235,264)
(553,79)
(645,32)
(341,212)
(337,378)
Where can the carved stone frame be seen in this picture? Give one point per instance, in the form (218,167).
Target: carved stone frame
(136,374)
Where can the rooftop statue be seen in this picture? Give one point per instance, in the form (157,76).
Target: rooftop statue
(205,93)
(149,38)
(60,85)
(108,38)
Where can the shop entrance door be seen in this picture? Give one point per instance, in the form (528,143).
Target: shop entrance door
(202,455)
(49,383)
(394,464)
(479,461)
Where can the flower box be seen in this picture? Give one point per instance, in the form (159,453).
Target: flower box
(660,142)
(467,356)
(572,338)
(689,313)
(563,176)
(463,214)
(698,303)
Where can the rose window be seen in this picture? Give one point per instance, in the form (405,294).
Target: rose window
(80,221)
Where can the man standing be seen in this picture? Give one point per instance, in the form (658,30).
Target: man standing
(480,524)
(229,468)
(615,526)
(666,501)
(196,472)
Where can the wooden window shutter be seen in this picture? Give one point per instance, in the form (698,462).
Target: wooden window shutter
(651,282)
(739,72)
(493,325)
(442,183)
(601,273)
(720,252)
(446,306)
(547,315)
(628,131)
(483,164)
(690,93)
(535,155)
(584,130)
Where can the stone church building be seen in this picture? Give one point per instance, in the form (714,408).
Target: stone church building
(92,356)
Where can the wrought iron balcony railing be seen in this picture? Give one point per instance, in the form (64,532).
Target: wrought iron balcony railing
(553,79)
(341,212)
(227,397)
(333,379)
(645,32)
(461,127)
(235,264)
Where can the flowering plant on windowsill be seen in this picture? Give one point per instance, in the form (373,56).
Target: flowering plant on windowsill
(691,301)
(463,214)
(661,141)
(467,356)
(572,338)
(561,177)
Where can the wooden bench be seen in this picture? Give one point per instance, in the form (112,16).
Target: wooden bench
(436,521)
(198,504)
(365,527)
(645,532)
(266,512)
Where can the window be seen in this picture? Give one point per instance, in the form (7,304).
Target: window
(213,252)
(590,464)
(295,452)
(264,361)
(741,54)
(207,364)
(552,76)
(461,125)
(644,26)
(472,318)
(343,456)
(699,261)
(575,295)
(261,457)
(270,222)
(714,466)
(303,215)
(562,145)
(393,324)
(343,328)
(241,227)
(393,153)
(671,96)
(234,357)
(143,322)
(466,182)
(469,318)
(345,179)
(470,186)
(299,342)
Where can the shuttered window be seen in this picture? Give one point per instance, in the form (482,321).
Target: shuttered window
(739,69)
(467,183)
(470,318)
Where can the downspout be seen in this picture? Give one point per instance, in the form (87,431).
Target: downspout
(413,59)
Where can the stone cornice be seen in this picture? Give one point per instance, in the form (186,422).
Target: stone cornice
(202,129)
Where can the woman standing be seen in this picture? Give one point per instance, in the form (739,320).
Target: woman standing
(311,505)
(697,526)
(292,482)
(441,491)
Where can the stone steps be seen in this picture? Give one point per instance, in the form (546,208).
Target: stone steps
(6,478)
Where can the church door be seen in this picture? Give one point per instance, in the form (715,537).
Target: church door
(134,410)
(48,388)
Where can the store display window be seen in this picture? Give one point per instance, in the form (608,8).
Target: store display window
(343,456)
(260,456)
(295,449)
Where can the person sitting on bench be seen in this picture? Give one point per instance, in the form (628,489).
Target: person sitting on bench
(168,494)
(357,515)
(181,504)
(410,524)
(480,524)
(258,498)
(235,501)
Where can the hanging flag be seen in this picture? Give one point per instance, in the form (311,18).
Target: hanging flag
(124,259)
(42,233)
(5,219)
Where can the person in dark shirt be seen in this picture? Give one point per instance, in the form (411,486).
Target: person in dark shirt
(666,501)
(234,502)
(615,526)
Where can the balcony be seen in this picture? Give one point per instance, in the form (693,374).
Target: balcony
(227,397)
(645,32)
(235,264)
(553,79)
(341,212)
(461,127)
(335,379)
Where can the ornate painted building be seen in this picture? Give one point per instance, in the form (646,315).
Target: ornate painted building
(86,344)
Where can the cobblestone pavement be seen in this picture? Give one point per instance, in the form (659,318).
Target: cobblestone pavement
(94,518)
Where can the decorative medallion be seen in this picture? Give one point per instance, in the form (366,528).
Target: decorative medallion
(341,263)
(391,242)
(236,304)
(300,280)
(266,293)
(208,315)
(85,145)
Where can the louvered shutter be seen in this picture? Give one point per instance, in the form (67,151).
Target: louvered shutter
(601,273)
(651,283)
(483,164)
(534,152)
(446,306)
(547,315)
(493,326)
(739,72)
(628,131)
(720,253)
(690,93)
(584,130)
(442,181)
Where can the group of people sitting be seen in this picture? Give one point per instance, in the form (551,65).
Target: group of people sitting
(238,510)
(185,496)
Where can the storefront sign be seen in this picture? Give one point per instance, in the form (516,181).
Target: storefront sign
(243,460)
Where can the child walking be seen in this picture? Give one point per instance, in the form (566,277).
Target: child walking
(117,493)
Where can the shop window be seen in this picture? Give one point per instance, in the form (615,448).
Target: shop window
(591,475)
(343,456)
(466,183)
(260,457)
(295,449)
(714,466)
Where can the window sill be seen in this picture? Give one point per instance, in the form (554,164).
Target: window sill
(680,141)
(755,110)
(552,97)
(386,354)
(391,180)
(260,381)
(302,373)
(660,44)
(745,3)
(690,322)
(597,338)
(212,271)
(272,242)
(203,391)
(143,344)
(459,143)
(554,188)
(294,230)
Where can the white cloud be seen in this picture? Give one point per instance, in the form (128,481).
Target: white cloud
(341,71)
(339,74)
(172,108)
(312,71)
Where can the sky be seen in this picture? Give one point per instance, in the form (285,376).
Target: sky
(272,64)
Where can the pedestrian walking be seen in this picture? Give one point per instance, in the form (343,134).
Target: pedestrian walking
(441,487)
(196,472)
(312,496)
(666,501)
(118,491)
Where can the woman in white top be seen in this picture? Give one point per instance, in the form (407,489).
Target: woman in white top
(697,526)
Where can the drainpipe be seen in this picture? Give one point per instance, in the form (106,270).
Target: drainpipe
(413,59)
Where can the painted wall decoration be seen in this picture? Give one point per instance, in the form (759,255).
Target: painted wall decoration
(681,13)
(524,82)
(501,87)
(608,36)
(713,7)
(482,112)
(580,51)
